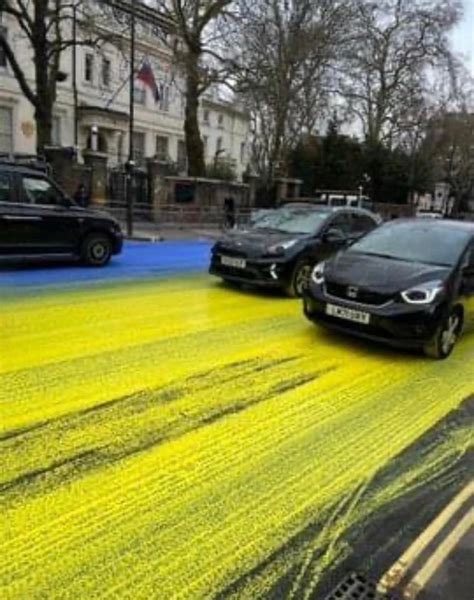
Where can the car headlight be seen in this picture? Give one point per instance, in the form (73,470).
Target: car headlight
(317,276)
(281,247)
(424,293)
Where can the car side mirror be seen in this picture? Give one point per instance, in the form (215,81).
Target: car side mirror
(468,272)
(334,236)
(467,282)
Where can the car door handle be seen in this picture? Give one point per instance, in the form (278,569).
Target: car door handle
(20,218)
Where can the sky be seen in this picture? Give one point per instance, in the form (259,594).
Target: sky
(463,35)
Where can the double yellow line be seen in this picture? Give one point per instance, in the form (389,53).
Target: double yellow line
(402,568)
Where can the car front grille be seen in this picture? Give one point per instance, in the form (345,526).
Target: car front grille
(360,297)
(234,252)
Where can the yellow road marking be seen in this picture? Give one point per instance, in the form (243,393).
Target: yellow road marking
(398,570)
(439,555)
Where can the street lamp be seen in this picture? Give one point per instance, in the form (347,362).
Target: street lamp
(131,163)
(94,138)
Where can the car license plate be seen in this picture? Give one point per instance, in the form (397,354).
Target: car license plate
(348,314)
(230,261)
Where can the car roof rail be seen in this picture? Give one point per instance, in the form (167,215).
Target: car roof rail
(31,161)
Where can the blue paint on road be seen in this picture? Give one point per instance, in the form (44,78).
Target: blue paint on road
(138,260)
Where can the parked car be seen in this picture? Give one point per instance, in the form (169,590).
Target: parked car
(280,248)
(38,219)
(409,283)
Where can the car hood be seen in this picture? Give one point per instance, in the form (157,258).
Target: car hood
(382,275)
(253,242)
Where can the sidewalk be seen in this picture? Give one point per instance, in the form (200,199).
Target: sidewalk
(439,565)
(153,233)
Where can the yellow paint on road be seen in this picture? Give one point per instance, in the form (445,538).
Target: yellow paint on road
(163,439)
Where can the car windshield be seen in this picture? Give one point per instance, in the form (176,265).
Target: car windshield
(292,220)
(415,242)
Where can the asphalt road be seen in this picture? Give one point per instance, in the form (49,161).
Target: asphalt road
(166,436)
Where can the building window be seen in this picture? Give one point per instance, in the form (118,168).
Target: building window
(206,117)
(219,146)
(220,121)
(89,68)
(205,143)
(106,70)
(182,156)
(6,129)
(139,148)
(242,152)
(56,131)
(161,147)
(139,94)
(164,90)
(182,105)
(3,58)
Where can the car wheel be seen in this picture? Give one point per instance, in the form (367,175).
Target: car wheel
(300,278)
(446,336)
(96,250)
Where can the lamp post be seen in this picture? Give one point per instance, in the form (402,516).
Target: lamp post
(131,162)
(74,72)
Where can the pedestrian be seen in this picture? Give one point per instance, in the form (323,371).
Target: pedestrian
(229,213)
(80,195)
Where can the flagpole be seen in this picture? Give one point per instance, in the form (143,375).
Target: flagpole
(130,165)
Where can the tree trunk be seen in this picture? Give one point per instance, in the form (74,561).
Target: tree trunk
(275,156)
(44,125)
(45,85)
(194,144)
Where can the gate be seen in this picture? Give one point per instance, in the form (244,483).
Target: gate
(117,193)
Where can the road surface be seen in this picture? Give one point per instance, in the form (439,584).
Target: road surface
(166,436)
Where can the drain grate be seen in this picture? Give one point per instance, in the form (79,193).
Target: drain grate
(357,587)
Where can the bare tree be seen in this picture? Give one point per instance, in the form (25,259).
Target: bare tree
(450,142)
(47,27)
(197,46)
(287,48)
(395,48)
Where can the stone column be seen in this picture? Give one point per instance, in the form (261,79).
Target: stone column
(61,161)
(280,191)
(252,180)
(298,184)
(97,161)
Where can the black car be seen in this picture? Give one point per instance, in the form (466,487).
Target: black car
(280,248)
(38,219)
(409,283)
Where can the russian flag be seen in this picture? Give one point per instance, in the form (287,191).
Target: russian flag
(145,74)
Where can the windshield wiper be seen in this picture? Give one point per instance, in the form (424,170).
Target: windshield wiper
(400,259)
(268,229)
(380,255)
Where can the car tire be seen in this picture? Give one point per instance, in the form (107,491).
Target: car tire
(96,250)
(300,278)
(446,336)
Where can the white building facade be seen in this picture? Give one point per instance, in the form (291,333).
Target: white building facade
(102,83)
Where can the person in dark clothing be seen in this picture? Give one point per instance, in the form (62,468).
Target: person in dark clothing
(229,213)
(80,195)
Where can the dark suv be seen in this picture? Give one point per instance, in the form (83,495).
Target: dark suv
(281,246)
(38,219)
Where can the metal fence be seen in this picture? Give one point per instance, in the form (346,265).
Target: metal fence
(180,217)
